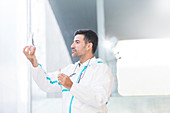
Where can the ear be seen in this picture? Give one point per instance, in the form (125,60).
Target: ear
(89,46)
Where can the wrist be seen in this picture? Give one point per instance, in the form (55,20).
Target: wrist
(34,63)
(70,85)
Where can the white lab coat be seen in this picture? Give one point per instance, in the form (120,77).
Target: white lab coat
(90,95)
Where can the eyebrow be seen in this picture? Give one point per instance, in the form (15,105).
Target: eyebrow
(76,40)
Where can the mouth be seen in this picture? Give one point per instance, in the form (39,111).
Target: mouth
(73,50)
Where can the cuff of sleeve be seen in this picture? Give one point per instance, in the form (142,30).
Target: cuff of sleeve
(36,67)
(34,70)
(73,89)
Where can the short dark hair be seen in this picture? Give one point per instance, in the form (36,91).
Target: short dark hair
(89,36)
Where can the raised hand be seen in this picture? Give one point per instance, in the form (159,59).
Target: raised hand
(29,52)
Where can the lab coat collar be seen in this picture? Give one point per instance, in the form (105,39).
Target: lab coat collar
(92,60)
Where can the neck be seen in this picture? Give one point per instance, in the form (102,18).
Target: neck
(84,59)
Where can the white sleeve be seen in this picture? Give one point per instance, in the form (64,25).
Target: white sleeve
(47,82)
(98,92)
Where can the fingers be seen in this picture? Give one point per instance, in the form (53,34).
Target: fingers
(32,50)
(29,50)
(65,81)
(62,78)
(25,49)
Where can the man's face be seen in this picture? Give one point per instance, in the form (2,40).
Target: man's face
(79,47)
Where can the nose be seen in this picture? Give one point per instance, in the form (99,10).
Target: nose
(72,45)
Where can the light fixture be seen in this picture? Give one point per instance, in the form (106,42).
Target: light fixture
(110,43)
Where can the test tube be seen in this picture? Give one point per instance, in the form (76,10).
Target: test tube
(59,73)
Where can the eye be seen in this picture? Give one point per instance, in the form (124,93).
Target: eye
(77,41)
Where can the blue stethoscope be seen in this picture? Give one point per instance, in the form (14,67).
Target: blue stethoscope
(78,80)
(80,75)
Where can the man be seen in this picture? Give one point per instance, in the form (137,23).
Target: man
(86,85)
